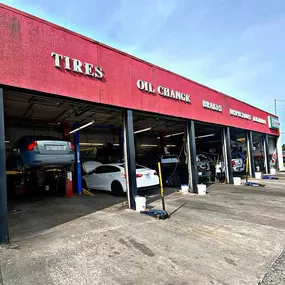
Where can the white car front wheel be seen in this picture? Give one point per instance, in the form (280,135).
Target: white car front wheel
(117,188)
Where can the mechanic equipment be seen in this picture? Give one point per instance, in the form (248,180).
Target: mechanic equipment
(254,184)
(69,188)
(88,193)
(174,171)
(249,183)
(161,187)
(270,177)
(158,214)
(58,182)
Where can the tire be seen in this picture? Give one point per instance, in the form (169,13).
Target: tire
(20,165)
(117,189)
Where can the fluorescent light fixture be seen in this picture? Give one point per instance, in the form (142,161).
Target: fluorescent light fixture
(170,145)
(82,127)
(173,135)
(90,144)
(7,141)
(143,130)
(149,145)
(116,144)
(204,136)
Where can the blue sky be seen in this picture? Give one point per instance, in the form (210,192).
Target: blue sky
(234,46)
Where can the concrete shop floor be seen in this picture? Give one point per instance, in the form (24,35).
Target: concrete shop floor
(40,215)
(230,236)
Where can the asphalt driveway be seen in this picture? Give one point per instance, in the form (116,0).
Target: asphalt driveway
(231,236)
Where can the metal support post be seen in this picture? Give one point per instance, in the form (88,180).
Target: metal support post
(77,168)
(4,233)
(266,153)
(162,142)
(279,153)
(227,152)
(121,143)
(191,157)
(249,143)
(129,154)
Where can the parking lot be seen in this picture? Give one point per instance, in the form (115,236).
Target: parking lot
(230,236)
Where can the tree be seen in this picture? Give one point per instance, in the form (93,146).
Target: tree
(283,147)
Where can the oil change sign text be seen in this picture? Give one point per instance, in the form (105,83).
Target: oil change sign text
(163,91)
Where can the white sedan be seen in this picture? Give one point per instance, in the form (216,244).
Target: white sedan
(112,177)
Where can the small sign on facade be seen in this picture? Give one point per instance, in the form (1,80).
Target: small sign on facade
(273,123)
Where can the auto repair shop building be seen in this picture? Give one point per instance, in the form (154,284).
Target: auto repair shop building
(39,59)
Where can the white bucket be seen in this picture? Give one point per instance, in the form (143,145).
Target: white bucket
(272,171)
(258,175)
(237,181)
(140,203)
(184,188)
(201,189)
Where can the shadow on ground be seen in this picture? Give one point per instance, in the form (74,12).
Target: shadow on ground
(36,216)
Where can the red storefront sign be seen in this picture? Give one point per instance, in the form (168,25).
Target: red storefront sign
(40,56)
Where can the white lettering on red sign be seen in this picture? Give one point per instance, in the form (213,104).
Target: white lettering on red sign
(77,65)
(259,120)
(163,91)
(212,106)
(177,95)
(240,114)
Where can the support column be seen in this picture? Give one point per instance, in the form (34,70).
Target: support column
(191,157)
(266,153)
(162,142)
(227,152)
(4,233)
(250,154)
(279,154)
(121,143)
(77,164)
(130,161)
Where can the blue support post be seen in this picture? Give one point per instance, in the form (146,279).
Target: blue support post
(77,168)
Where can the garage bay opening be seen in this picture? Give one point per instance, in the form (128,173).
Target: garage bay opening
(58,148)
(160,139)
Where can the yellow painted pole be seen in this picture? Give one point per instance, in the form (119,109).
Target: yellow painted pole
(161,186)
